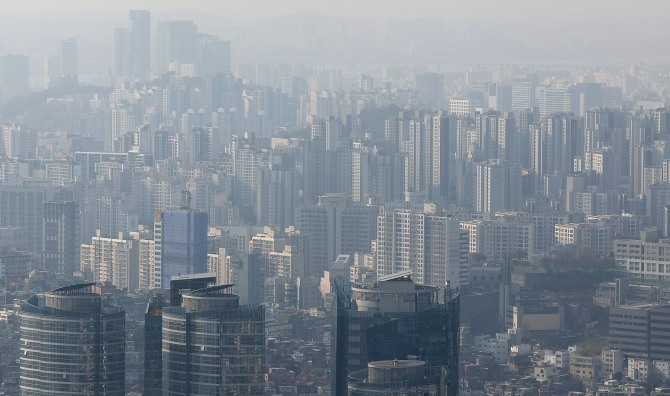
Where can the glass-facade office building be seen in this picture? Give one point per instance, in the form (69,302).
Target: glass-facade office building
(394,318)
(72,344)
(212,345)
(153,355)
(153,327)
(181,243)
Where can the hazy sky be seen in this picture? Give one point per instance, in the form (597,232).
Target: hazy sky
(583,10)
(498,30)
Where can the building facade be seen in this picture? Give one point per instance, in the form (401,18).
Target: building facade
(392,319)
(72,344)
(212,345)
(433,247)
(180,237)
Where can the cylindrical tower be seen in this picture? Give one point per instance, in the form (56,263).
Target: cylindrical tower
(213,346)
(71,344)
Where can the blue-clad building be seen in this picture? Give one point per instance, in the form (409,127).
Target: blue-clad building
(181,244)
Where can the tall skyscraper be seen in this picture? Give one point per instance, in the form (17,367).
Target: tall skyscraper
(153,345)
(215,56)
(176,41)
(59,255)
(121,51)
(139,43)
(180,237)
(69,61)
(153,325)
(394,318)
(212,345)
(72,343)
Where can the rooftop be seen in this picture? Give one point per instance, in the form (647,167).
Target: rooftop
(81,288)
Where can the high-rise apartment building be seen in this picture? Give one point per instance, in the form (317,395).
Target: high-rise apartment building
(497,136)
(394,318)
(430,88)
(24,207)
(212,345)
(498,186)
(336,226)
(433,248)
(554,145)
(278,192)
(59,255)
(507,234)
(427,163)
(72,343)
(597,235)
(112,260)
(247,160)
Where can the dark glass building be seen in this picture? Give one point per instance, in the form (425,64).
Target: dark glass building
(72,344)
(394,318)
(212,345)
(188,282)
(181,243)
(397,378)
(153,325)
(153,342)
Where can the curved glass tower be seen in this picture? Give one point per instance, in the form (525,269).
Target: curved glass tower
(395,319)
(71,344)
(213,346)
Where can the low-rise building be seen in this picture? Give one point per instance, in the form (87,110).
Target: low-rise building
(560,359)
(585,367)
(545,372)
(612,362)
(497,347)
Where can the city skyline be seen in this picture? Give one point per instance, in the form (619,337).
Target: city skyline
(310,197)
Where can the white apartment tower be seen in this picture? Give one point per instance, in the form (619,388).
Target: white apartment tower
(433,247)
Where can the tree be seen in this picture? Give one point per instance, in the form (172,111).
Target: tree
(476,259)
